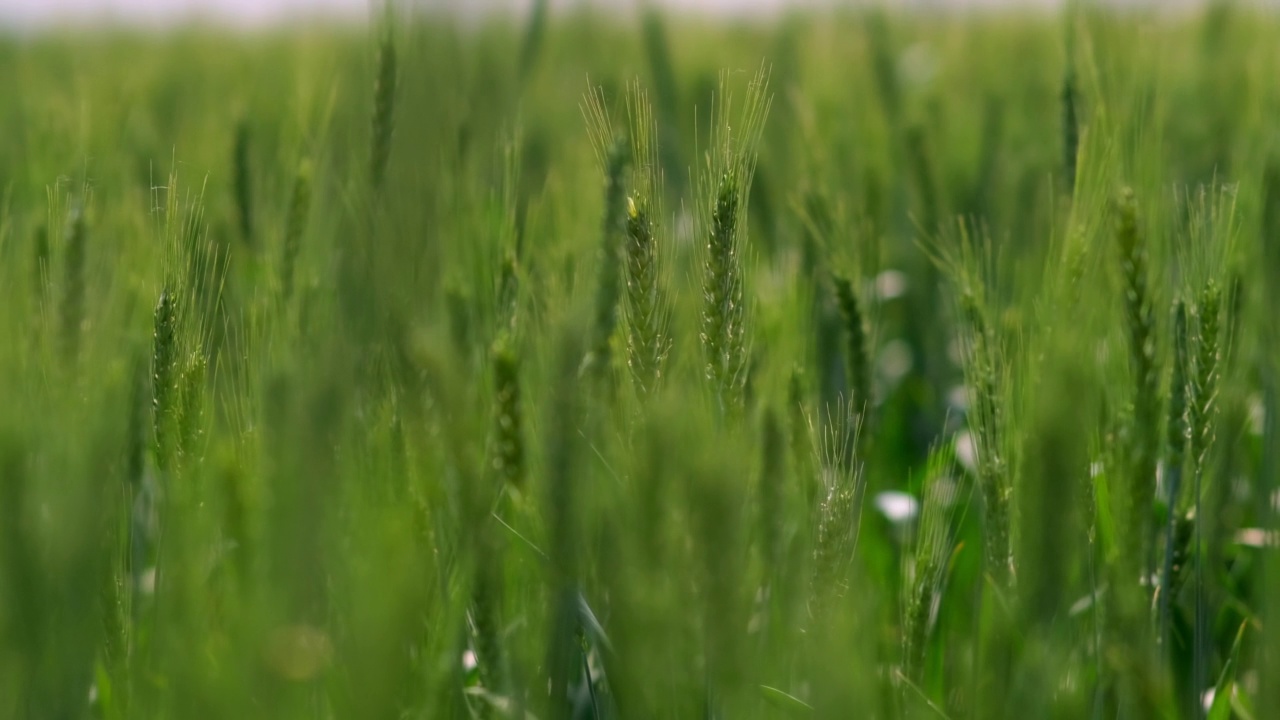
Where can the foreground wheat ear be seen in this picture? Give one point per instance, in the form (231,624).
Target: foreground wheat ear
(647,307)
(613,153)
(725,187)
(1140,475)
(964,254)
(164,357)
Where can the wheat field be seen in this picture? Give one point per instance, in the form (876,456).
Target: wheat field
(608,363)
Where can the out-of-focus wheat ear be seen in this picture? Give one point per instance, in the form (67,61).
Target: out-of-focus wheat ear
(613,156)
(771,498)
(295,227)
(1141,326)
(507,457)
(40,263)
(242,176)
(384,107)
(883,64)
(982,375)
(535,34)
(970,266)
(458,307)
(920,163)
(508,290)
(666,93)
(926,567)
(73,282)
(858,357)
(799,441)
(1070,128)
(840,492)
(164,354)
(798,429)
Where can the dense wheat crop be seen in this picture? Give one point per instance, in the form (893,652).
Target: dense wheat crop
(853,363)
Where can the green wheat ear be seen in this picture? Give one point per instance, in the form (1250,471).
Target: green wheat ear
(967,260)
(1203,401)
(1141,326)
(726,186)
(607,290)
(384,105)
(190,413)
(1204,259)
(164,388)
(1070,128)
(722,314)
(73,282)
(858,359)
(841,487)
(507,454)
(647,308)
(927,567)
(242,175)
(296,225)
(614,155)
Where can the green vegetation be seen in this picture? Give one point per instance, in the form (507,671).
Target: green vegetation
(862,364)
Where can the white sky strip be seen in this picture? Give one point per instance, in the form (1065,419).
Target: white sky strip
(255,13)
